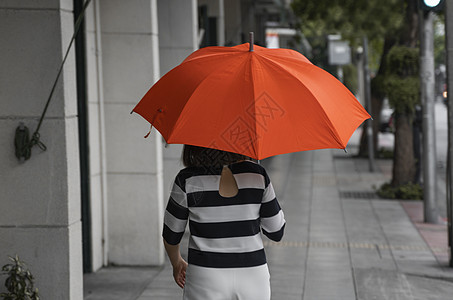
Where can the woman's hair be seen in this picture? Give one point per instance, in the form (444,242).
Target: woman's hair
(194,156)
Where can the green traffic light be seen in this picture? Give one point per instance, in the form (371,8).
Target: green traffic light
(431,3)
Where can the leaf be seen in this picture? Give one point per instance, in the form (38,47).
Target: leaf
(19,282)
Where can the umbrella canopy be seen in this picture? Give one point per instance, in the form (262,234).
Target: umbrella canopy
(258,103)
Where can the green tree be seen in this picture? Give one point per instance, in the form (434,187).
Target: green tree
(386,23)
(376,19)
(351,18)
(402,85)
(439,41)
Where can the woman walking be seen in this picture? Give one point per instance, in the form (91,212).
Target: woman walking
(227,199)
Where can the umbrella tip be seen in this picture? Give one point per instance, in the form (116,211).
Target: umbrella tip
(251,41)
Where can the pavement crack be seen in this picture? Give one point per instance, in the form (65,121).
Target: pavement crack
(373,209)
(378,250)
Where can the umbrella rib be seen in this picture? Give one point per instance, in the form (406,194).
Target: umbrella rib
(208,54)
(256,146)
(332,127)
(296,59)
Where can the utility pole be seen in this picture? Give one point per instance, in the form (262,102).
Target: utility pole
(221,24)
(360,75)
(427,95)
(449,46)
(369,124)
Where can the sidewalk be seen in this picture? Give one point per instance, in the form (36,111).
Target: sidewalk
(341,241)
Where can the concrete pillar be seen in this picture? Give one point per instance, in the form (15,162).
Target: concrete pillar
(233,22)
(96,124)
(40,198)
(178,31)
(130,65)
(178,38)
(217,9)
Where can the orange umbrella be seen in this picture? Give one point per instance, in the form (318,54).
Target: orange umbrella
(257,102)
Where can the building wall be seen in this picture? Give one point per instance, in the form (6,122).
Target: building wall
(126,48)
(40,198)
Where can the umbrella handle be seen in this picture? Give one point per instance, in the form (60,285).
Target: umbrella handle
(147,135)
(251,41)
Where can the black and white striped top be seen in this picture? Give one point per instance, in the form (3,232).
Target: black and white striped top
(224,232)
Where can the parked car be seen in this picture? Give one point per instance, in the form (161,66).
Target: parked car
(386,124)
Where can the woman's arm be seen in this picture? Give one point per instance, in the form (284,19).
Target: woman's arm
(175,220)
(272,217)
(178,263)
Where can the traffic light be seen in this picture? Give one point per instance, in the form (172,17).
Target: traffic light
(431,5)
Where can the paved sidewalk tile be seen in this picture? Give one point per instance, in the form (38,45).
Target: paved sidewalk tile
(435,235)
(341,240)
(118,283)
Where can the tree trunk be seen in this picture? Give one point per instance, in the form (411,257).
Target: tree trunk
(376,106)
(403,160)
(410,33)
(404,164)
(363,147)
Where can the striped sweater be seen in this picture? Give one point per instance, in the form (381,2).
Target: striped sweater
(224,231)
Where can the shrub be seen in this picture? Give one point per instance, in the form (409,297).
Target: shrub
(409,191)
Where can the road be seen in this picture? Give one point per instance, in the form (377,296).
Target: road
(440,112)
(441,123)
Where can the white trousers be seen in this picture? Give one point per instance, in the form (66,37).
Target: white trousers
(227,284)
